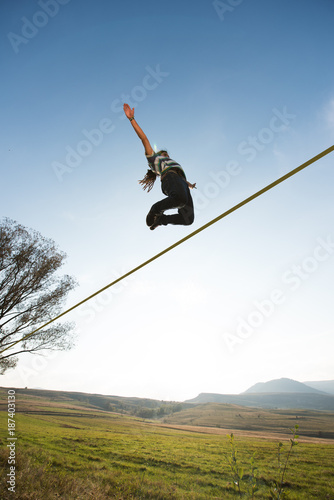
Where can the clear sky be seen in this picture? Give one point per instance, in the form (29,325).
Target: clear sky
(240,92)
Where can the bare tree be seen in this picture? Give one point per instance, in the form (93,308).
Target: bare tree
(31,293)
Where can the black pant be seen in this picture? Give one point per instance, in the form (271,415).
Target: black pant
(178,196)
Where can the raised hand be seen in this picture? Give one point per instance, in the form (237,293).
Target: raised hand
(130,113)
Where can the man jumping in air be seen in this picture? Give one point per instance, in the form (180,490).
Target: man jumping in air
(173,183)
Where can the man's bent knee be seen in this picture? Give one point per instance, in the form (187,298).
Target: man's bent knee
(188,216)
(189,221)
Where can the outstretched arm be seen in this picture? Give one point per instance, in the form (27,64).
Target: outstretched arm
(130,113)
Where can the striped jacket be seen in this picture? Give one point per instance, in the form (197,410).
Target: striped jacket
(160,164)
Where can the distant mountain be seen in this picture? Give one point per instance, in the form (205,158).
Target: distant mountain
(324,385)
(274,400)
(282,385)
(282,393)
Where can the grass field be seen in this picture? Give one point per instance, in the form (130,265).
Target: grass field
(312,423)
(71,452)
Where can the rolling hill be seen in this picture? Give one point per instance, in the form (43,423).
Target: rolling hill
(276,394)
(281,393)
(312,423)
(312,401)
(54,405)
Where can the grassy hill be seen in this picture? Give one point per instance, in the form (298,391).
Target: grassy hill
(39,400)
(312,423)
(68,449)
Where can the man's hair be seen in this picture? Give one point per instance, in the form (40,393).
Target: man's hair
(150,177)
(149,180)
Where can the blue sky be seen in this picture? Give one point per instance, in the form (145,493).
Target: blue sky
(240,92)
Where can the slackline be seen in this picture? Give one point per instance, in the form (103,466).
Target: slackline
(213,221)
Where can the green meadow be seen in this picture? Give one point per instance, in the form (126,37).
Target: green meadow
(71,452)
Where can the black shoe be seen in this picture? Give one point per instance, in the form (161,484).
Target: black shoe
(156,223)
(151,216)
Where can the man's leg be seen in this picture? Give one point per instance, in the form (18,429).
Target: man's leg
(175,188)
(185,215)
(178,196)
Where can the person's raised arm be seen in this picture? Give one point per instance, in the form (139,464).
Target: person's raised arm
(130,113)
